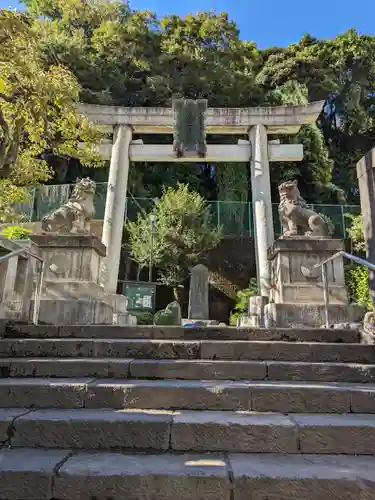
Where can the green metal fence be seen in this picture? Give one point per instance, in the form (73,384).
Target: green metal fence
(234,217)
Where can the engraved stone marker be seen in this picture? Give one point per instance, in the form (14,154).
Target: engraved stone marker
(175,308)
(198,293)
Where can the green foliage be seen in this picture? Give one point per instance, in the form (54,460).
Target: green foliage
(37,112)
(357,282)
(242,301)
(143,317)
(16,233)
(163,317)
(356,276)
(183,231)
(355,232)
(10,196)
(104,52)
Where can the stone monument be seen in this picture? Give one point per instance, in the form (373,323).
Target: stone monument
(72,293)
(175,309)
(198,296)
(296,295)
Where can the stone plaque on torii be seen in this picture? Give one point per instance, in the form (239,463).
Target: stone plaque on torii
(188,131)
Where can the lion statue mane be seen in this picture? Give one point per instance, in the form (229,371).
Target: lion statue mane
(74,216)
(297,219)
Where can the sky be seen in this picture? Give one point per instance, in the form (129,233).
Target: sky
(273,22)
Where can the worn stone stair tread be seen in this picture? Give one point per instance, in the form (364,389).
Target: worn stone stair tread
(38,473)
(190,369)
(62,381)
(184,430)
(264,396)
(165,384)
(189,349)
(177,332)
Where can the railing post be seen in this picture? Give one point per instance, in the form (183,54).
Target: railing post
(326,293)
(38,293)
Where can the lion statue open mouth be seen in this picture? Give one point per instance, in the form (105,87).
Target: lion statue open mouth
(297,219)
(76,215)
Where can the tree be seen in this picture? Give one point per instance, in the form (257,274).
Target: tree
(125,57)
(314,172)
(37,113)
(196,56)
(340,71)
(183,231)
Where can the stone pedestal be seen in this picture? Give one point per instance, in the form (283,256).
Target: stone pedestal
(255,316)
(16,281)
(71,293)
(297,297)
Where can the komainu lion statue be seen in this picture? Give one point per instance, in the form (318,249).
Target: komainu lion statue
(74,216)
(296,218)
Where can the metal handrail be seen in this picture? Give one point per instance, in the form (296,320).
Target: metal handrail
(323,265)
(38,291)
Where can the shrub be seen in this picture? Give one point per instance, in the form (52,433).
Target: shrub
(164,318)
(356,278)
(16,233)
(242,301)
(143,318)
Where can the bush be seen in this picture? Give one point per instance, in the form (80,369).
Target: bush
(164,318)
(242,301)
(16,233)
(143,318)
(356,278)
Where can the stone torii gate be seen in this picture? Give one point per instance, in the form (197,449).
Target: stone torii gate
(257,123)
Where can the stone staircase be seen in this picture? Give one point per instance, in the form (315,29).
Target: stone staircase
(147,413)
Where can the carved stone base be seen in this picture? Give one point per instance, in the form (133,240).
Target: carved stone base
(295,280)
(63,311)
(125,319)
(71,292)
(310,315)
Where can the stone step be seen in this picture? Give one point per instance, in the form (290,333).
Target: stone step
(192,431)
(38,473)
(184,349)
(177,332)
(193,369)
(262,396)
